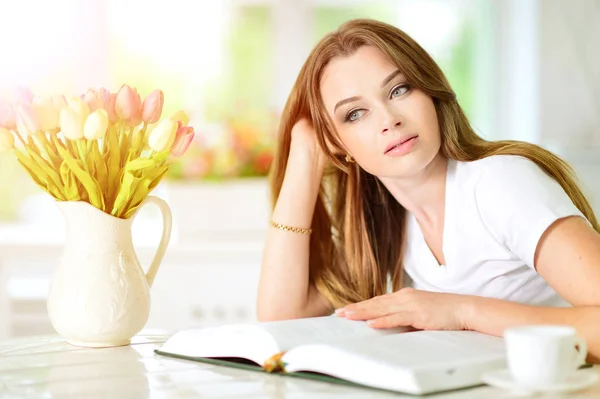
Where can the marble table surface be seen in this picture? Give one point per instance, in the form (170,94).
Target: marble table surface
(48,367)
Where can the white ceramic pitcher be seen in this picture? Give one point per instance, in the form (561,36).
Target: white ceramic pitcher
(100,295)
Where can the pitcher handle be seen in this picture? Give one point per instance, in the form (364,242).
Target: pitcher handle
(166,236)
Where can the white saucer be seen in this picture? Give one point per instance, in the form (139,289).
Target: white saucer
(576,381)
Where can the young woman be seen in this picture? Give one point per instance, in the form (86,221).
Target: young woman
(389,208)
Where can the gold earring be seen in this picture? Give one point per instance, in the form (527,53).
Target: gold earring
(349,158)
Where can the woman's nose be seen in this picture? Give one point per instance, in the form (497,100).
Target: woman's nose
(395,125)
(390,120)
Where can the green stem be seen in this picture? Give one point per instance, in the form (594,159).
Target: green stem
(125,152)
(16,132)
(45,145)
(80,150)
(121,125)
(89,144)
(140,140)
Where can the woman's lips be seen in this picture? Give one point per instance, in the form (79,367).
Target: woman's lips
(401,146)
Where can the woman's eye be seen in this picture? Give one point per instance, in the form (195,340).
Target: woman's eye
(354,115)
(399,90)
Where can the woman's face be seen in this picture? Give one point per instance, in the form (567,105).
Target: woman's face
(388,127)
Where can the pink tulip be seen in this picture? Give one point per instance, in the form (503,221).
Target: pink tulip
(27,119)
(128,105)
(97,99)
(7,115)
(47,113)
(183,139)
(22,95)
(152,106)
(110,108)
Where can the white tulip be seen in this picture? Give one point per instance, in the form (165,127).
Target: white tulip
(163,135)
(71,123)
(96,125)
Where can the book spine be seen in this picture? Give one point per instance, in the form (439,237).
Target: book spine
(275,364)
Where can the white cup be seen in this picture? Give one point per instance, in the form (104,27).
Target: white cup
(543,355)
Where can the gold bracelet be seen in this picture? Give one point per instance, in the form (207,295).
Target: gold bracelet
(290,228)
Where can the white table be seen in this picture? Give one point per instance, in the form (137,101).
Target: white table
(47,367)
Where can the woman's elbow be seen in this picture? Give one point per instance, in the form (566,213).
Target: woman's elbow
(267,312)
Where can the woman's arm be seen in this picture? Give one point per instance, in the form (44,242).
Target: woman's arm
(493,316)
(568,258)
(284,291)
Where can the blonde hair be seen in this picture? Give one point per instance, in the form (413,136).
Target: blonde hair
(357,225)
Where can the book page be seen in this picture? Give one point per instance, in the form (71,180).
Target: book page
(259,341)
(425,348)
(291,333)
(414,362)
(247,341)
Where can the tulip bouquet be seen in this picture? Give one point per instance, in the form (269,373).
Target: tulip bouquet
(107,149)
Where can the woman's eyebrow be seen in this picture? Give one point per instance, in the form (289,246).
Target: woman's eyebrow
(390,77)
(346,101)
(387,80)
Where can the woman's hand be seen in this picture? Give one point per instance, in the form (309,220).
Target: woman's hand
(305,146)
(422,310)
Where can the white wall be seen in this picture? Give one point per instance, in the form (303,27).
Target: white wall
(546,80)
(570,86)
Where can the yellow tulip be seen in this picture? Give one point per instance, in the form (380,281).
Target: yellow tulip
(59,101)
(71,123)
(80,107)
(180,116)
(7,140)
(163,135)
(96,125)
(47,113)
(72,117)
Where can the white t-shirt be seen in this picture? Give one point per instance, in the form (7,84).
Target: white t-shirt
(497,209)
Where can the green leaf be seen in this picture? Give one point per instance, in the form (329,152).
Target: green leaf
(139,195)
(32,169)
(69,182)
(158,177)
(90,185)
(112,159)
(124,195)
(47,168)
(43,171)
(100,168)
(139,163)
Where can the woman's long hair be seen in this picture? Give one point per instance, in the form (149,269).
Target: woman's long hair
(358,227)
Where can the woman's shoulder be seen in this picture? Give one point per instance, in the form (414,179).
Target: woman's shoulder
(496,166)
(512,179)
(516,200)
(502,171)
(504,177)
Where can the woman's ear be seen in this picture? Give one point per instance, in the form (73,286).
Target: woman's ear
(343,155)
(332,149)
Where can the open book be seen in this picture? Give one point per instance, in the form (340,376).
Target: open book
(415,362)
